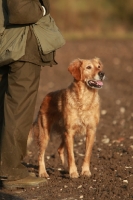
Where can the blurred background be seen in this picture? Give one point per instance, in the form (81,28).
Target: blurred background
(94,18)
(93,28)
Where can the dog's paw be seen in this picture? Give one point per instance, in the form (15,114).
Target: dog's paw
(43,175)
(86,173)
(74,175)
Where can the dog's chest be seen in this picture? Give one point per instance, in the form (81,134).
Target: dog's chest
(84,120)
(79,112)
(82,116)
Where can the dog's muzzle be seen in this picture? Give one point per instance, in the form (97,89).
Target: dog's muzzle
(101,75)
(97,83)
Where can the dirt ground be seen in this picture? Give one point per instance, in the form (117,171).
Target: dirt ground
(112,156)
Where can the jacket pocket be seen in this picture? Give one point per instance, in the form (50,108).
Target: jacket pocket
(48,35)
(13,43)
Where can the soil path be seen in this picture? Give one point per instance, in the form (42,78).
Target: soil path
(112,156)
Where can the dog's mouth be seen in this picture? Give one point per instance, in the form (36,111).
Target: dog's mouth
(95,84)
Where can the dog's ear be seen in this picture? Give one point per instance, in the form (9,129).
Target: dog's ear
(97,60)
(74,69)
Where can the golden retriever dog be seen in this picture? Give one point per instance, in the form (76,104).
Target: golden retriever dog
(76,110)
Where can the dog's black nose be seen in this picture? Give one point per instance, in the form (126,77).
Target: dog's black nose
(101,74)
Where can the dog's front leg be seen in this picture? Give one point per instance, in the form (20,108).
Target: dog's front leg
(70,152)
(90,137)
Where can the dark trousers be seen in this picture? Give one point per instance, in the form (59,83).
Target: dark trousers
(18,91)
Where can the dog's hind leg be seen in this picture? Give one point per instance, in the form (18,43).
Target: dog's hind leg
(61,152)
(43,140)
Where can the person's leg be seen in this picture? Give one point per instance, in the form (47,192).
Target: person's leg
(19,105)
(3,88)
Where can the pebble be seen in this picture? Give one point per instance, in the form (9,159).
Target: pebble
(103,112)
(81,197)
(106,140)
(80,186)
(131,137)
(118,102)
(119,140)
(18,191)
(48,157)
(122,110)
(99,149)
(80,143)
(114,122)
(128,167)
(80,154)
(125,181)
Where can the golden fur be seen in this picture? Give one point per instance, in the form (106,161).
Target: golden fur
(76,110)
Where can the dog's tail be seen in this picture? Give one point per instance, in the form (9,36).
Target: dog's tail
(32,134)
(31,141)
(30,137)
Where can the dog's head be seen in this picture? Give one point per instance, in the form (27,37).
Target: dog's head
(88,71)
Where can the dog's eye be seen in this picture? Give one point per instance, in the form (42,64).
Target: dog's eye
(99,66)
(88,67)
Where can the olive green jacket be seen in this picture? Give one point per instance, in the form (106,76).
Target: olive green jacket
(15,18)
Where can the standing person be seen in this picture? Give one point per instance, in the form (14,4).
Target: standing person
(28,40)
